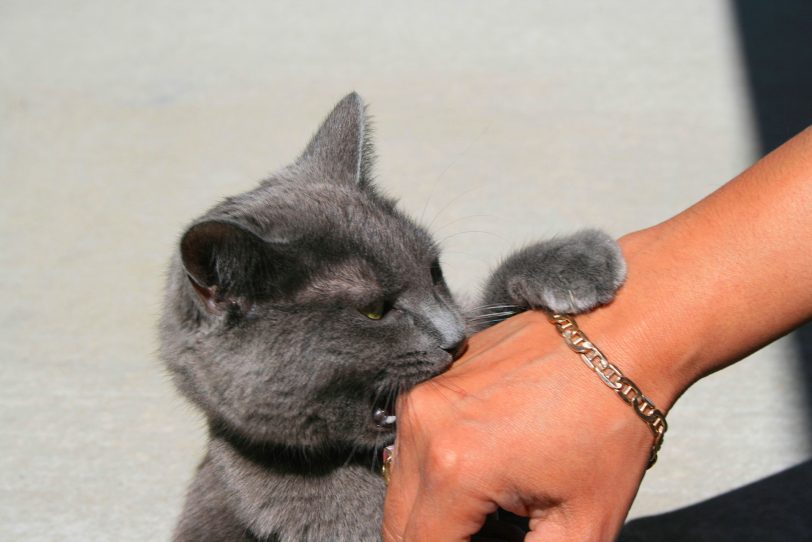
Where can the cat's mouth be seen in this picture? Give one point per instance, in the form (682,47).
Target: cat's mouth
(385,419)
(383,413)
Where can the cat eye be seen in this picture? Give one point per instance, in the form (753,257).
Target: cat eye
(375,311)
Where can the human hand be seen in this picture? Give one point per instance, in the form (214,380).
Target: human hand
(518,423)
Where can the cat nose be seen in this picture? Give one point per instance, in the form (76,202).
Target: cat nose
(457,349)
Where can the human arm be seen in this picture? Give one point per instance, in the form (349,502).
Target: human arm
(519,423)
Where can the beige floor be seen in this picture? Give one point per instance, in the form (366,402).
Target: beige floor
(498,123)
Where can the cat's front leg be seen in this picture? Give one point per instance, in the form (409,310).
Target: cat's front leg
(568,275)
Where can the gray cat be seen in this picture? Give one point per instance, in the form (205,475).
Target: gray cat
(297,312)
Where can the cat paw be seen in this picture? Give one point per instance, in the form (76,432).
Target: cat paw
(568,275)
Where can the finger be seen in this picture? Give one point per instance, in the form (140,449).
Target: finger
(401,493)
(446,515)
(551,532)
(449,503)
(429,495)
(558,527)
(406,466)
(396,510)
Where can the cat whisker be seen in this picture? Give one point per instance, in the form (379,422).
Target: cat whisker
(468,217)
(506,314)
(445,386)
(476,326)
(446,169)
(447,237)
(468,255)
(495,306)
(496,310)
(492,314)
(351,455)
(452,201)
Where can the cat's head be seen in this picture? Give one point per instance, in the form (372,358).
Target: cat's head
(297,310)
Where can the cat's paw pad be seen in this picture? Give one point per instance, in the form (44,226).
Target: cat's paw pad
(567,275)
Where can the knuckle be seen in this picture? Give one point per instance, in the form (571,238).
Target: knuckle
(446,462)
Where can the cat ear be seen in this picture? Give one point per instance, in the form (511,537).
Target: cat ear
(341,150)
(227,265)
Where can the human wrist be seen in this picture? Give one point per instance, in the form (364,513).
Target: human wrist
(614,379)
(648,331)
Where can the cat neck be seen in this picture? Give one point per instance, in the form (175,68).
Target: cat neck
(301,460)
(275,489)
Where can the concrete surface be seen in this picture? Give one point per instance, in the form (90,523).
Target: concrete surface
(496,122)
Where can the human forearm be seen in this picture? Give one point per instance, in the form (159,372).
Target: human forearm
(518,423)
(716,282)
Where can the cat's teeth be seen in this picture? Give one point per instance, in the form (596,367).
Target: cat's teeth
(382,418)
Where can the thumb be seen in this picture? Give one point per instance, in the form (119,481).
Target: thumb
(446,514)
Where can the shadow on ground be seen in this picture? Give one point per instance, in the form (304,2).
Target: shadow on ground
(777,50)
(776,509)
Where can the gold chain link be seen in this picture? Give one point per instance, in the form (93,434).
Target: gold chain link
(613,378)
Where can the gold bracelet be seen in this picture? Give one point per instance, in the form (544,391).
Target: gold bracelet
(612,377)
